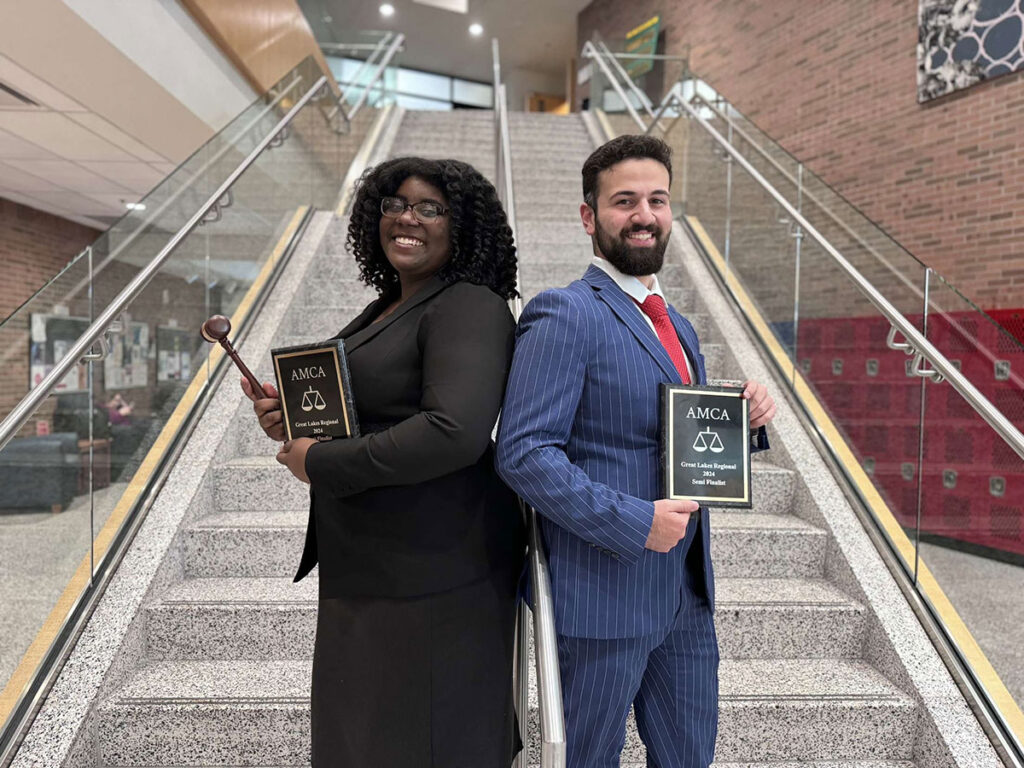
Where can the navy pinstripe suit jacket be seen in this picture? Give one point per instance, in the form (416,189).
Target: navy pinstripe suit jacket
(578,440)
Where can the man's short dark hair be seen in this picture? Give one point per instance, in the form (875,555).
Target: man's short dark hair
(615,151)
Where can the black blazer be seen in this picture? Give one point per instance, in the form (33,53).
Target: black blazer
(414,506)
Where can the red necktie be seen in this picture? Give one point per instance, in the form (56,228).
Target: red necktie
(654,307)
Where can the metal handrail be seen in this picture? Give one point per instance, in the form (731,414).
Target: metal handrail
(846,227)
(378,48)
(591,52)
(549,686)
(397,43)
(155,213)
(16,419)
(636,89)
(920,347)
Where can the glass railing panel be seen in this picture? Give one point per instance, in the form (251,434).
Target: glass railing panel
(705,192)
(965,453)
(761,251)
(45,528)
(972,510)
(867,390)
(848,225)
(65,491)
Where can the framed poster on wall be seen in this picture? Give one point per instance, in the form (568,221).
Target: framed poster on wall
(50,339)
(127,365)
(173,353)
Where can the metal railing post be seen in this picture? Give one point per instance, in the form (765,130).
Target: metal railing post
(920,433)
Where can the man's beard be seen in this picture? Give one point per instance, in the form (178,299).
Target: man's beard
(630,259)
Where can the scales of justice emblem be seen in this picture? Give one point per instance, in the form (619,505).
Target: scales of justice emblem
(701,444)
(311,399)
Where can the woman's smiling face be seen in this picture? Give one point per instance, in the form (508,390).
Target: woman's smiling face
(416,250)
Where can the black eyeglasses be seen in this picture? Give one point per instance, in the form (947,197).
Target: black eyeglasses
(425,211)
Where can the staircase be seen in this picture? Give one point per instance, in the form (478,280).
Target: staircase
(214,668)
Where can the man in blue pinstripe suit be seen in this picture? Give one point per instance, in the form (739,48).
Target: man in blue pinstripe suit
(631,573)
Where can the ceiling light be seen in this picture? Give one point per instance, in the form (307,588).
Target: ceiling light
(135,206)
(387,9)
(476,29)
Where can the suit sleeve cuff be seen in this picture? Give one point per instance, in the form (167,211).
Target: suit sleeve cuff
(759,440)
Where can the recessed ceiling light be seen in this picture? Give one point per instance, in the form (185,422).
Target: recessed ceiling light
(135,206)
(476,29)
(387,9)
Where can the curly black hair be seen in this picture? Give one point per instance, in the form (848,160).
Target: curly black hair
(482,250)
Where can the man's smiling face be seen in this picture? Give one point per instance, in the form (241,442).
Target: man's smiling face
(634,219)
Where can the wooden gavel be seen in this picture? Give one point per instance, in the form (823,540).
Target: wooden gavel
(216,330)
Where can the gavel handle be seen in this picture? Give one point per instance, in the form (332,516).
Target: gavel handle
(257,388)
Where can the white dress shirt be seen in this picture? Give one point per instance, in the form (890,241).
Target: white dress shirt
(639,292)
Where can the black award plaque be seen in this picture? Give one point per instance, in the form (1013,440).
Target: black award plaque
(316,393)
(705,445)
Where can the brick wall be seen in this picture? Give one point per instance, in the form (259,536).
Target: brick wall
(835,83)
(33,247)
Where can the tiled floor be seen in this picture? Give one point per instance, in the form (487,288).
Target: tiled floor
(989,596)
(39,552)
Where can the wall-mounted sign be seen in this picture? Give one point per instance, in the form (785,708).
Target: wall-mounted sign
(642,40)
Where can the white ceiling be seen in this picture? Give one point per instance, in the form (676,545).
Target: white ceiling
(98,107)
(534,35)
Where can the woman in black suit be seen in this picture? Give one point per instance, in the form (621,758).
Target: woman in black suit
(419,543)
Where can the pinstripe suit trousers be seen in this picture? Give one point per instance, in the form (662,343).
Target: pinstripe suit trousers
(669,677)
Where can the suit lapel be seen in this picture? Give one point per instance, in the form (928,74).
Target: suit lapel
(360,320)
(626,310)
(360,337)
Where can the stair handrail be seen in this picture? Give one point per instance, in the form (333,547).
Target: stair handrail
(377,49)
(835,218)
(549,687)
(914,343)
(641,96)
(928,361)
(23,411)
(393,47)
(590,51)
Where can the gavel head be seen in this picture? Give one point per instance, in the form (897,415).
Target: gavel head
(216,329)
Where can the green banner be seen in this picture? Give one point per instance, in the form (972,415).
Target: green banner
(642,40)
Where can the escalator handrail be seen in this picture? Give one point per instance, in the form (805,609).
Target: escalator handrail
(21,413)
(549,686)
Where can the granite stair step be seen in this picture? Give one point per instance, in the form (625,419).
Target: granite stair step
(753,545)
(253,483)
(264,544)
(317,294)
(319,324)
(274,618)
(234,618)
(787,618)
(783,711)
(257,712)
(200,713)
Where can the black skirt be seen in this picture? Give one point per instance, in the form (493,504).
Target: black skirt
(416,682)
